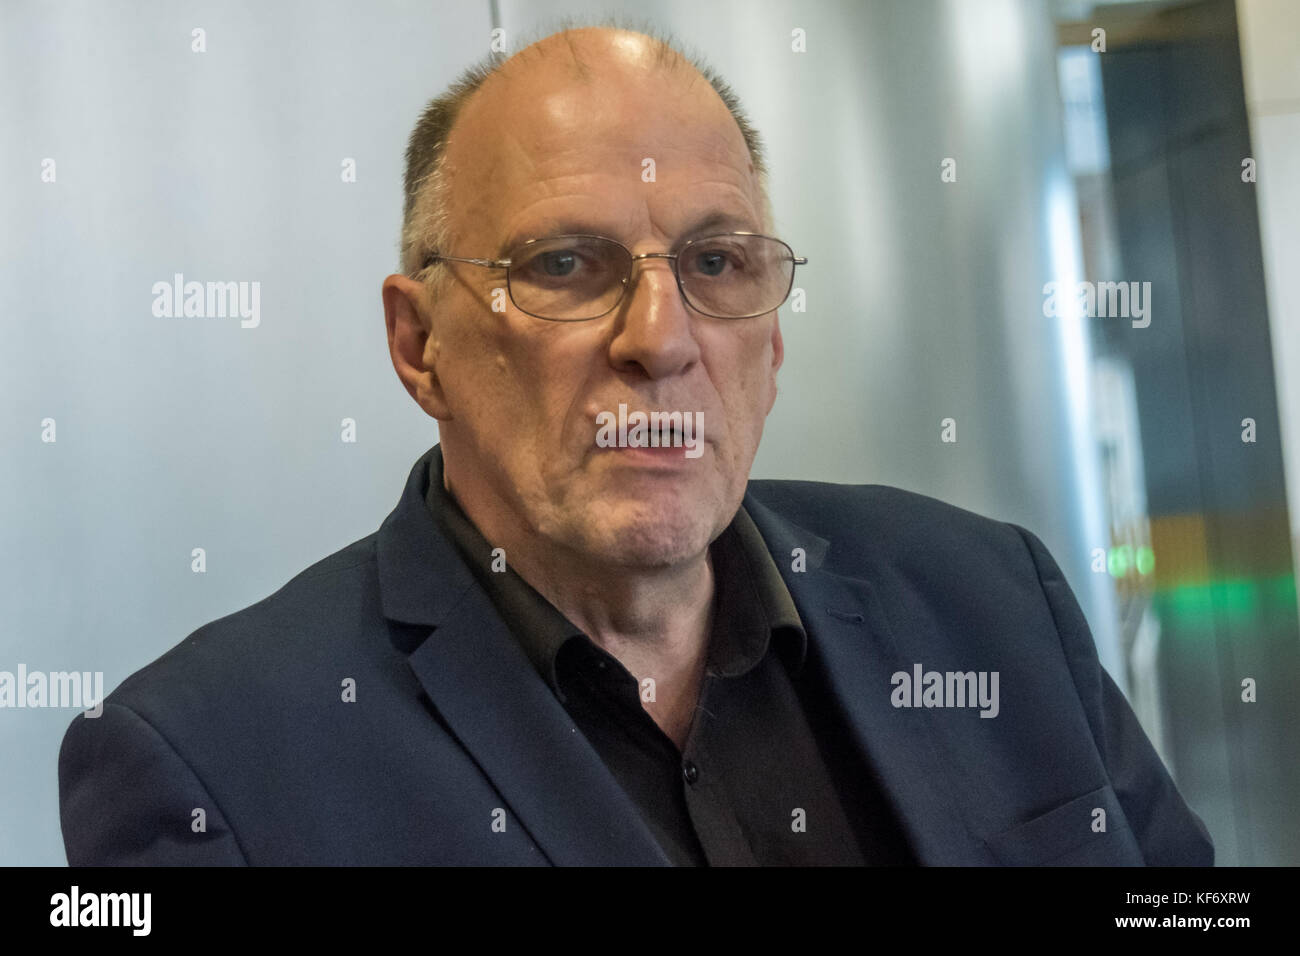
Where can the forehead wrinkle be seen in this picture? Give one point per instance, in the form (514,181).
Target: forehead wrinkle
(729,198)
(519,191)
(622,163)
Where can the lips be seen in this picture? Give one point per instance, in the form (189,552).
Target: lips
(651,430)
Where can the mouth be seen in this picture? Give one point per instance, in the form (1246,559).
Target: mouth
(654,434)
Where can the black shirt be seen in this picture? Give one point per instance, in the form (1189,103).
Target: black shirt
(752,786)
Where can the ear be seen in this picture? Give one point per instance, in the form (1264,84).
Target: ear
(778,345)
(412,344)
(778,357)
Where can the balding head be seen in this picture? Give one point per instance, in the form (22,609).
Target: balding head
(590,54)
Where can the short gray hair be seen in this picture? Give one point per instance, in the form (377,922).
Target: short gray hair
(426,226)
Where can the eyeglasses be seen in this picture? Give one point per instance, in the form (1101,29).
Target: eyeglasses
(735,275)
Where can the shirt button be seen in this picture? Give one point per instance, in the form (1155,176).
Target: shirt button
(690,772)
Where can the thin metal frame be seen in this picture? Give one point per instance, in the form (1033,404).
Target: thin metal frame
(506,263)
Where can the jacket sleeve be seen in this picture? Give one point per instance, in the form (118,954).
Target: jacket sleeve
(1167,831)
(127,798)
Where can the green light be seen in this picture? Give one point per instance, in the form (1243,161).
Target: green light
(1146,560)
(1230,602)
(1283,590)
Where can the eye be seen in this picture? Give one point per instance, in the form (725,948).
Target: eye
(558,263)
(717,258)
(710,263)
(563,259)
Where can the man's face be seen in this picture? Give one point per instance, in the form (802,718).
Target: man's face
(541,153)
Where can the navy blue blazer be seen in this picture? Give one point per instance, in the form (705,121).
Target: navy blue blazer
(454,751)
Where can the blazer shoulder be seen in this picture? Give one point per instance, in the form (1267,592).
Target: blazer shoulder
(283,633)
(892,523)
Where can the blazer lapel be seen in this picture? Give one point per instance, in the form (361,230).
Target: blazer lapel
(500,710)
(848,630)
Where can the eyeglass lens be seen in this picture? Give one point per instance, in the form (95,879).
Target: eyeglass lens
(571,278)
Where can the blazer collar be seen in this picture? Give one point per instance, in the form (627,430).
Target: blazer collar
(421,577)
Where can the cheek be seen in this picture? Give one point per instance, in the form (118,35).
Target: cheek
(479,376)
(532,386)
(489,350)
(749,386)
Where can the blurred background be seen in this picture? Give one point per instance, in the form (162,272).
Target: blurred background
(940,163)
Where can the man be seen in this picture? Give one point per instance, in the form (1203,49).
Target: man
(569,646)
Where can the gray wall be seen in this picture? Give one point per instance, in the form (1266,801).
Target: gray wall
(924,298)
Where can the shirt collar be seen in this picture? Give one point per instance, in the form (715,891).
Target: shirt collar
(753,605)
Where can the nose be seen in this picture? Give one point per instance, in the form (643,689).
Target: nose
(654,331)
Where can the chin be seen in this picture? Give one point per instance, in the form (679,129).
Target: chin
(634,536)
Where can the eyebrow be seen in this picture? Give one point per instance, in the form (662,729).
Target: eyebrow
(706,224)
